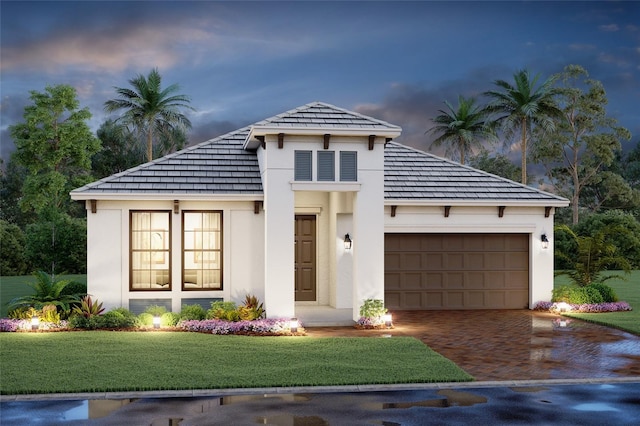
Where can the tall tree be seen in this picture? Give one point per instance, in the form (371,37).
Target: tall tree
(149,108)
(584,140)
(462,128)
(55,145)
(523,105)
(120,150)
(497,164)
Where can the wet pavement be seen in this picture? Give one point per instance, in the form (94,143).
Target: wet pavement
(593,404)
(530,367)
(515,344)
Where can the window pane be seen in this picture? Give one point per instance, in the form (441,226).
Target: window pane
(202,256)
(326,166)
(150,251)
(302,165)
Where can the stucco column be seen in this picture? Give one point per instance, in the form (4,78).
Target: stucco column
(368,239)
(279,245)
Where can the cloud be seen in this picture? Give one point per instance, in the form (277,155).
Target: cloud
(609,28)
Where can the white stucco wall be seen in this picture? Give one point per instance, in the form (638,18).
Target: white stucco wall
(484,219)
(108,252)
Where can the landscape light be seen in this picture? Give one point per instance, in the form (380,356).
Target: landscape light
(293,325)
(387,320)
(156,321)
(35,322)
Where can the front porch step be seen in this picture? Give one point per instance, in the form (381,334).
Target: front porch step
(324,316)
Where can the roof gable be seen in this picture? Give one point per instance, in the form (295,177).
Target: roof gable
(319,118)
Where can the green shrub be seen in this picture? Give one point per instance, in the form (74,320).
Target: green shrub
(145,319)
(607,293)
(156,310)
(91,323)
(169,319)
(192,312)
(576,295)
(372,308)
(13,260)
(74,288)
(117,319)
(223,310)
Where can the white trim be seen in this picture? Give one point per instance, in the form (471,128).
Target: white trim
(477,203)
(325,186)
(123,196)
(525,228)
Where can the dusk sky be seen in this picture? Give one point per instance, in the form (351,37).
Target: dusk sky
(241,62)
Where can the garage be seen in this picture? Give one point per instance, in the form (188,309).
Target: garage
(456,271)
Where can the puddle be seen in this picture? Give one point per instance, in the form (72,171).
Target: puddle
(239,399)
(288,420)
(452,398)
(595,406)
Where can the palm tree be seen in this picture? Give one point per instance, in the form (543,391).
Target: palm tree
(462,128)
(149,108)
(591,255)
(523,105)
(47,291)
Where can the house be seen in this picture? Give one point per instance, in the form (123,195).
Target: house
(314,211)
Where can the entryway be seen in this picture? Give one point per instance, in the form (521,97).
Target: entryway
(305,258)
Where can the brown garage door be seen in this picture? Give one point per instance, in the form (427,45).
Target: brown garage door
(456,271)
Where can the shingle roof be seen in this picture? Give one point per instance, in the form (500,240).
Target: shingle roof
(217,166)
(413,175)
(322,115)
(222,167)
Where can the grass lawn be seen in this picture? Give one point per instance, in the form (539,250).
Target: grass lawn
(103,361)
(12,287)
(629,291)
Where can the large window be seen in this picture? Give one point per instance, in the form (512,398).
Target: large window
(202,250)
(150,250)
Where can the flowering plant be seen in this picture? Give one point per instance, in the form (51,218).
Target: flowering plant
(267,327)
(585,307)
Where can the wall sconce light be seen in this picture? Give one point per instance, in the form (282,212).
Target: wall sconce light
(387,320)
(156,321)
(293,325)
(35,323)
(545,241)
(347,242)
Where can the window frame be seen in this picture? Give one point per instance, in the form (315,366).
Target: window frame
(167,252)
(185,251)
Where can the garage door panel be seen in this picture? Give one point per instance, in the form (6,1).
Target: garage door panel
(456,271)
(392,261)
(454,261)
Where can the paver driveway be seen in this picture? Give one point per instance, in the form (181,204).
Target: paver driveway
(515,344)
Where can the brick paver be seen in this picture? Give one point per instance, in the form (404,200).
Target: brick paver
(515,344)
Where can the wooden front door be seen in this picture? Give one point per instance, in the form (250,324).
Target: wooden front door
(305,258)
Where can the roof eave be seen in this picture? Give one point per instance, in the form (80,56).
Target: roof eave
(123,196)
(252,143)
(476,203)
